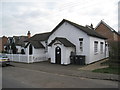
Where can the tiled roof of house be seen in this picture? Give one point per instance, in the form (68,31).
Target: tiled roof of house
(40,37)
(19,40)
(89,31)
(110,28)
(35,40)
(36,44)
(64,41)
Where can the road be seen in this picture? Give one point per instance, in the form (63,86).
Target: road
(16,77)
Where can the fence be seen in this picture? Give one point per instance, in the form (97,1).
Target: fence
(26,58)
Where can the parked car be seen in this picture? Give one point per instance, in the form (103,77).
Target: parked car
(4,60)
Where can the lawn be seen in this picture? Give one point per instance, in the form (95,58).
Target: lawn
(108,70)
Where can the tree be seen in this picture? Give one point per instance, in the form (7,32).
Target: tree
(114,54)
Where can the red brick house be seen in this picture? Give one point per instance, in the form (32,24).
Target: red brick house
(3,41)
(108,32)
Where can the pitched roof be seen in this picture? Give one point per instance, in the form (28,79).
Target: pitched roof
(64,41)
(110,28)
(19,40)
(40,37)
(35,40)
(36,44)
(89,31)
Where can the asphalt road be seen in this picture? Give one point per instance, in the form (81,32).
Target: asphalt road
(15,77)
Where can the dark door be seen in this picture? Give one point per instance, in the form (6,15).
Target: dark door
(30,50)
(58,55)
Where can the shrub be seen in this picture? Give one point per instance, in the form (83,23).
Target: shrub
(114,55)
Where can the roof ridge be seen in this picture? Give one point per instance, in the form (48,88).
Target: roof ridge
(84,29)
(43,33)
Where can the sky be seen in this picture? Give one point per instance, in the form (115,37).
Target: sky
(17,17)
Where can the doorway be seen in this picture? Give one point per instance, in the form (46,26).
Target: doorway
(58,55)
(30,50)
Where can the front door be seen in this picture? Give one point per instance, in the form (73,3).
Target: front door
(58,55)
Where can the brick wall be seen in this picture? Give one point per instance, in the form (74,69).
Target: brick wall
(106,32)
(3,41)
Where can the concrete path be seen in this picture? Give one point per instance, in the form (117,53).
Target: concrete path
(96,65)
(70,70)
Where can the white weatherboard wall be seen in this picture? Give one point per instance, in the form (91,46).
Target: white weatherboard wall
(52,54)
(95,57)
(73,34)
(68,53)
(38,54)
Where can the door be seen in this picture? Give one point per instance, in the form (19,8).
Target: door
(58,55)
(30,50)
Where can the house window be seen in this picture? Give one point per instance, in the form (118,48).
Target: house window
(101,47)
(96,47)
(81,44)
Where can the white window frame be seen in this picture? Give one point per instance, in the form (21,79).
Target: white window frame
(101,47)
(96,47)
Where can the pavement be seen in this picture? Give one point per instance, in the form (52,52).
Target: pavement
(69,70)
(96,65)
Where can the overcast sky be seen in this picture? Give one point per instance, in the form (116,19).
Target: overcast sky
(19,16)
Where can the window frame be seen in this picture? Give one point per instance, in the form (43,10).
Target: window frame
(101,47)
(95,47)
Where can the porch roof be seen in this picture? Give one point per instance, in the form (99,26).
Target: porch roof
(64,41)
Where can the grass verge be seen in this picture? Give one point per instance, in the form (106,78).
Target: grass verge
(108,70)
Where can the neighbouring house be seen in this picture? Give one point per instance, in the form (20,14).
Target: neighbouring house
(16,44)
(107,31)
(69,38)
(113,40)
(37,46)
(3,41)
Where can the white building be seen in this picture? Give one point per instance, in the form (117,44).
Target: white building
(37,46)
(69,38)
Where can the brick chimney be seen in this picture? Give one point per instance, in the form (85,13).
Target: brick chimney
(29,34)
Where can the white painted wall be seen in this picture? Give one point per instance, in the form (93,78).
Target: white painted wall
(52,52)
(27,50)
(73,34)
(38,51)
(68,53)
(38,54)
(65,53)
(95,57)
(19,49)
(43,42)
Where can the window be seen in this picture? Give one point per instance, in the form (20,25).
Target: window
(101,47)
(96,47)
(81,44)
